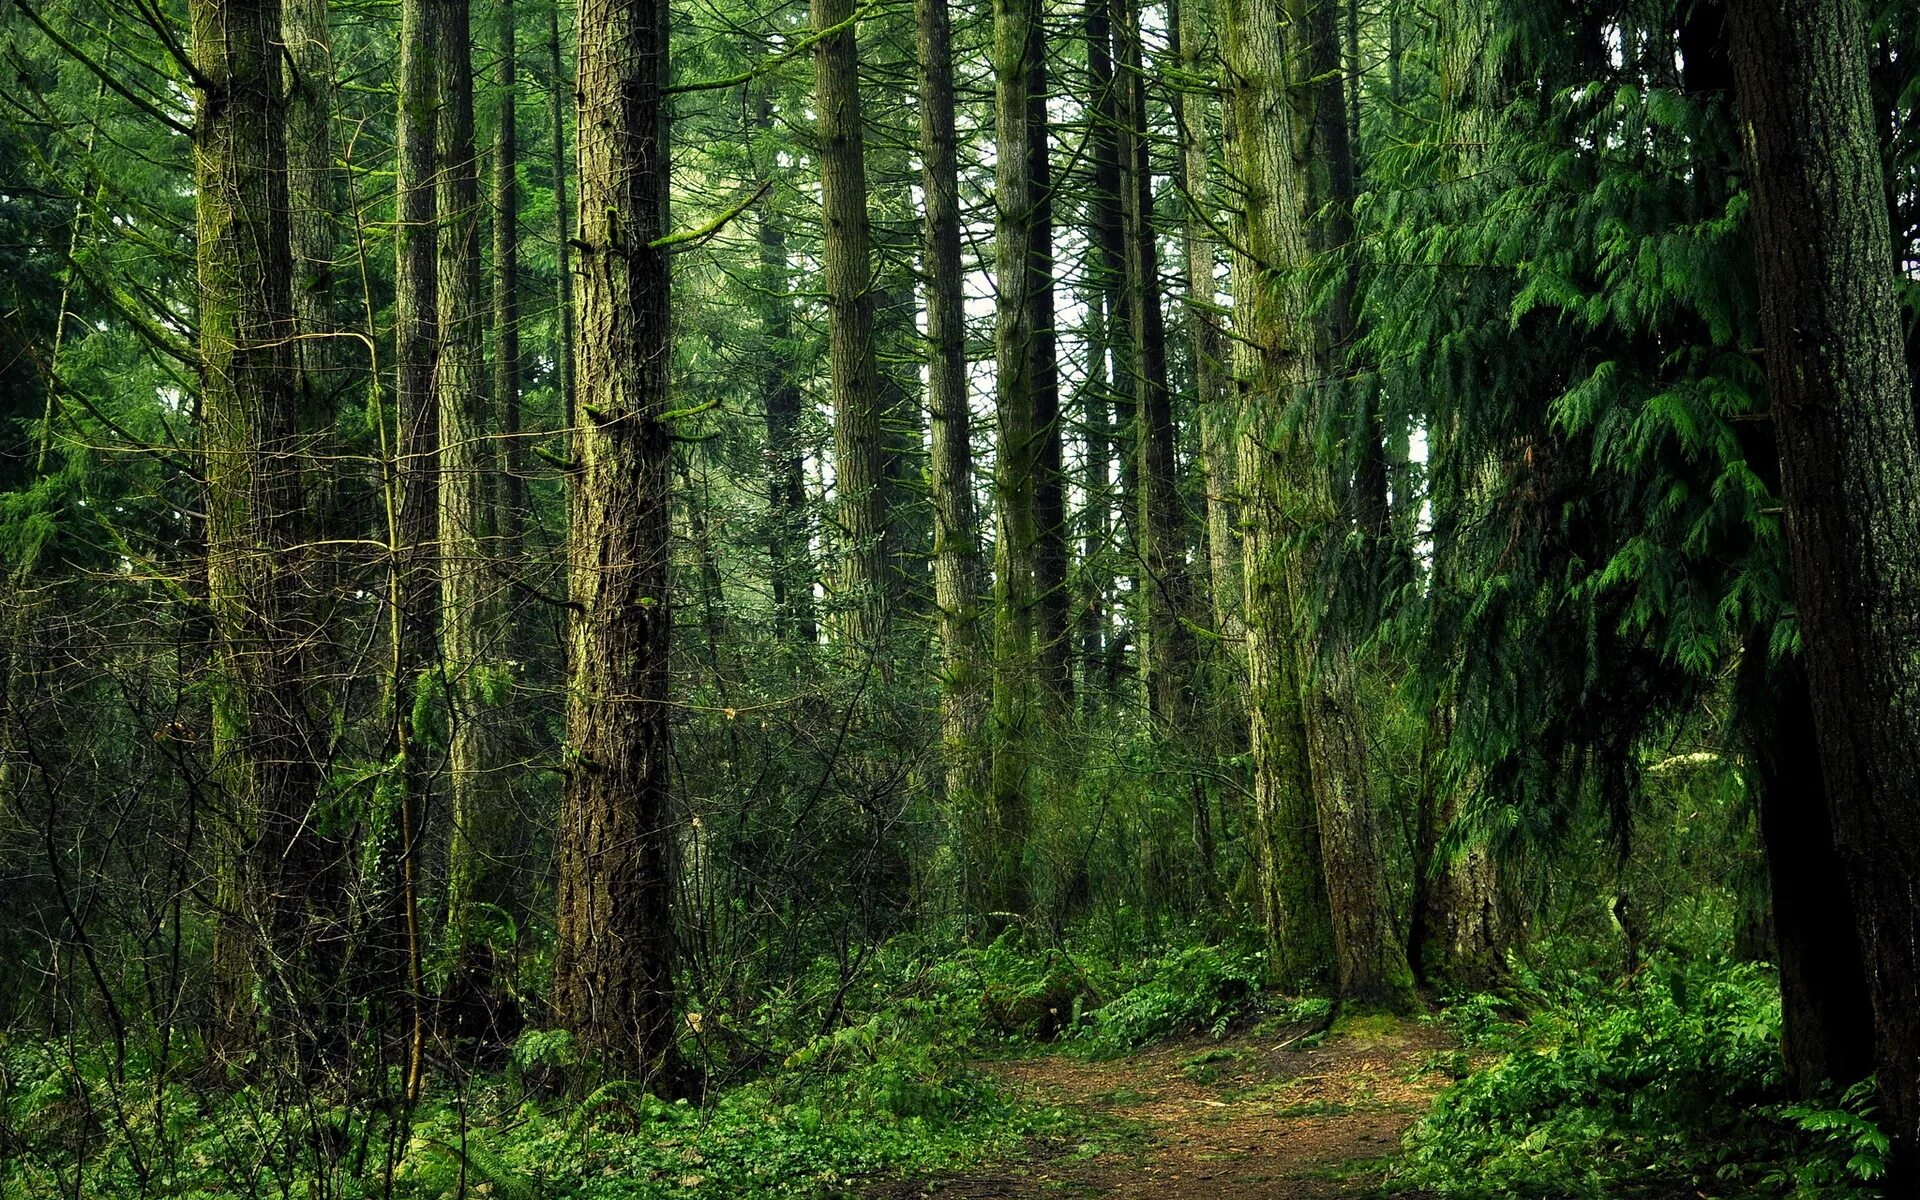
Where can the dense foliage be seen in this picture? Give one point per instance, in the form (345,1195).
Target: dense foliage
(606,598)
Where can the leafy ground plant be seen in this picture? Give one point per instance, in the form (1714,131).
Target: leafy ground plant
(1667,1084)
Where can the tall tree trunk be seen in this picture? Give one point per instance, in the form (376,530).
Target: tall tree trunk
(512,499)
(470,623)
(1850,472)
(412,517)
(1211,371)
(614,937)
(281,891)
(1018,458)
(1107,348)
(790,560)
(1160,529)
(859,434)
(1167,658)
(1371,947)
(956,535)
(314,190)
(1053,645)
(1270,364)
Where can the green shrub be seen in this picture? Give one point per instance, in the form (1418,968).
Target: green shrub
(1672,1081)
(1192,990)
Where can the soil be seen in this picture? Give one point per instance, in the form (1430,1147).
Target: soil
(1276,1113)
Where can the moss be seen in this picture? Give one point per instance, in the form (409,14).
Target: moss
(1366,1025)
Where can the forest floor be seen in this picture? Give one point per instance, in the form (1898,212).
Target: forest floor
(1275,1112)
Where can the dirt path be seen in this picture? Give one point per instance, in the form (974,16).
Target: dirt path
(1267,1114)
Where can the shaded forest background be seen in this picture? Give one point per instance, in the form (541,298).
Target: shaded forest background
(562,559)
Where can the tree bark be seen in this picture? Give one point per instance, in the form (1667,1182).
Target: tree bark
(614,936)
(1842,404)
(1271,362)
(1107,350)
(1207,345)
(859,434)
(1826,1015)
(1018,457)
(1370,945)
(956,536)
(470,619)
(1053,651)
(280,892)
(790,560)
(1167,647)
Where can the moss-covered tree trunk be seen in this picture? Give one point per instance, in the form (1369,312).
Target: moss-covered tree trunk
(1271,361)
(1018,458)
(859,434)
(470,619)
(956,533)
(1842,405)
(277,935)
(613,926)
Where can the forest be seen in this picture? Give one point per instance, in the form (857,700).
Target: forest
(657,599)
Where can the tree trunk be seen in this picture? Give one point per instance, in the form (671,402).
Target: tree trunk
(1018,458)
(280,890)
(1826,1015)
(1106,349)
(790,560)
(859,435)
(511,504)
(470,624)
(956,544)
(1053,650)
(1850,473)
(1459,929)
(412,515)
(1211,371)
(1371,947)
(1270,364)
(614,937)
(1167,645)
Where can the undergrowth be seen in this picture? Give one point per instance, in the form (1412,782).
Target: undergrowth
(1669,1084)
(841,1076)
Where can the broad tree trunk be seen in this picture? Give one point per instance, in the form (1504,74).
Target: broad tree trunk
(614,937)
(956,535)
(511,502)
(1850,473)
(412,512)
(1459,930)
(1371,946)
(1271,362)
(280,894)
(314,190)
(859,434)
